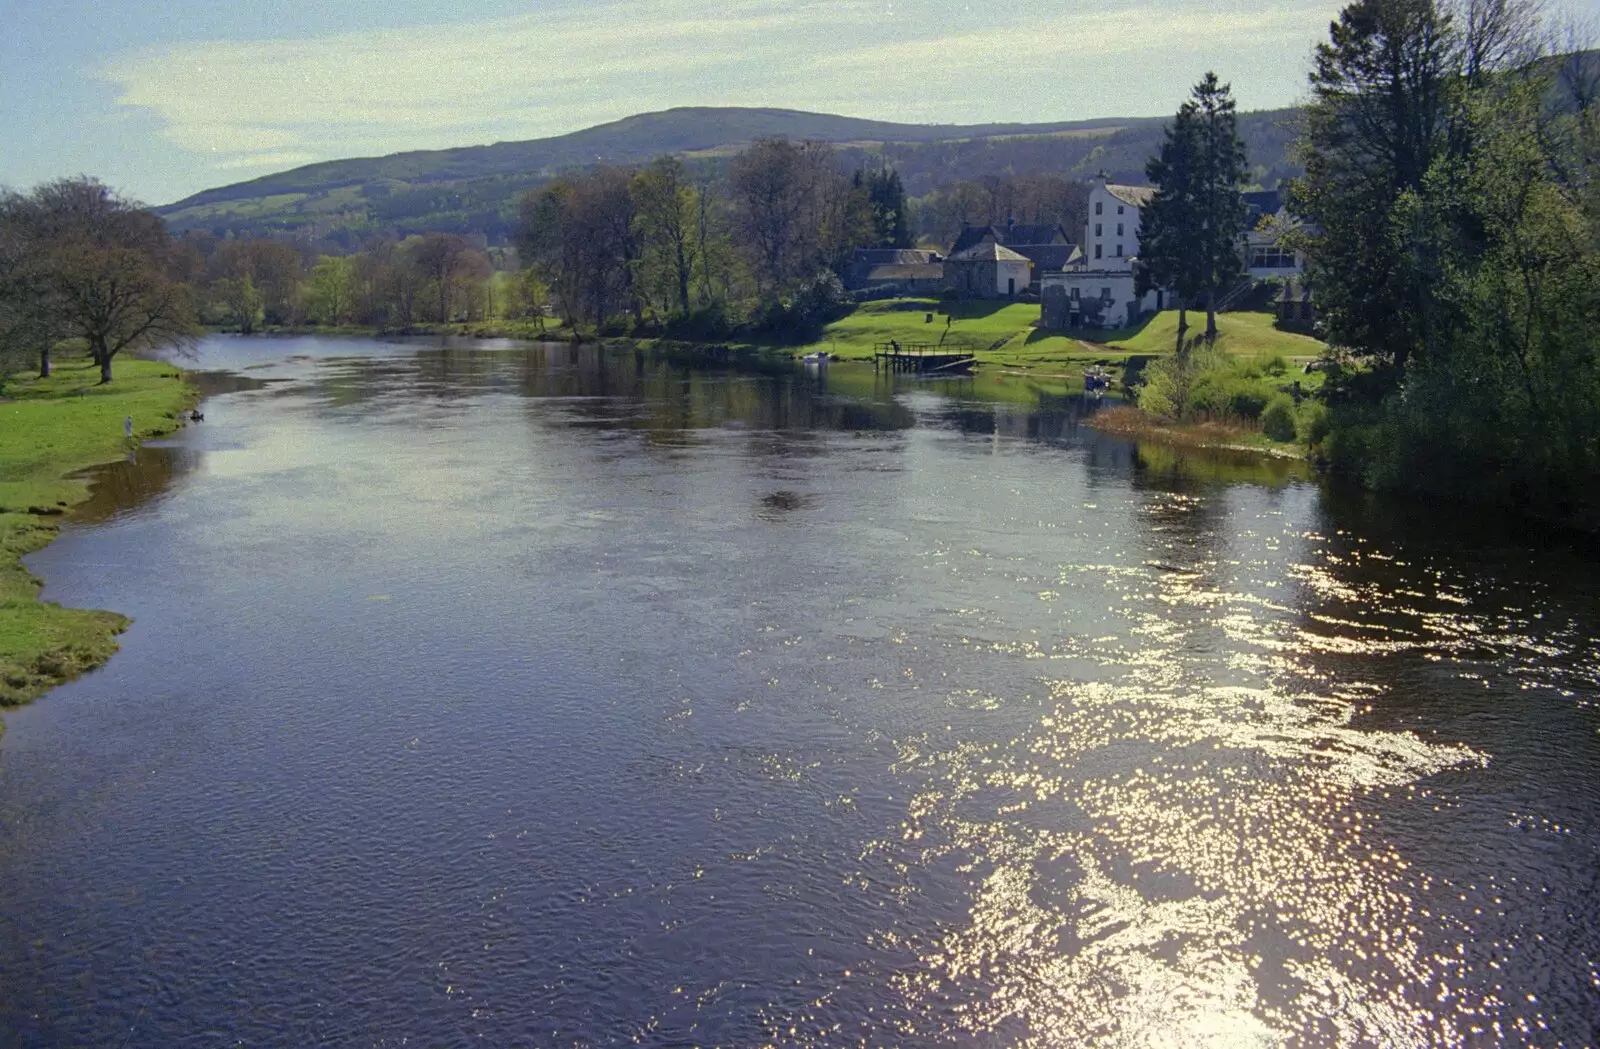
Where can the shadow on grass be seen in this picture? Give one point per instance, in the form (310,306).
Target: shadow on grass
(977,309)
(1119,334)
(905,306)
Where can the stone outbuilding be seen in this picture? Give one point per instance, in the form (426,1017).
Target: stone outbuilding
(988,271)
(900,271)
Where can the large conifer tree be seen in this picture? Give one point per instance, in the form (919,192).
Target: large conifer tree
(1189,231)
(1222,170)
(1169,221)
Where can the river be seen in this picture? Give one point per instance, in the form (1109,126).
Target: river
(527,696)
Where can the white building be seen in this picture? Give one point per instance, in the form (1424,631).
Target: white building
(1099,290)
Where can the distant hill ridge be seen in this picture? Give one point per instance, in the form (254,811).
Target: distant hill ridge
(473,189)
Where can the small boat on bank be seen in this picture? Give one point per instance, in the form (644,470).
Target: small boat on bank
(819,357)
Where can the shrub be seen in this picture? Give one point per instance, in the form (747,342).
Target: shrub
(1222,389)
(1158,391)
(1275,366)
(1277,419)
(708,322)
(1314,423)
(1247,401)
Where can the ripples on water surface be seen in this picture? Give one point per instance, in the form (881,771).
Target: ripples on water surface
(544,697)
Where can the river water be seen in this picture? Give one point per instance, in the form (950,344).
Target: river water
(527,696)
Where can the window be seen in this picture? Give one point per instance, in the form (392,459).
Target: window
(1119,233)
(1074,294)
(1271,257)
(1119,209)
(1105,293)
(1119,251)
(1099,207)
(1097,229)
(1097,248)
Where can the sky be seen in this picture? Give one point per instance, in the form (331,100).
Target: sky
(164,98)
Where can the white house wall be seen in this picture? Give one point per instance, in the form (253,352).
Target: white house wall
(1094,284)
(1101,238)
(1011,270)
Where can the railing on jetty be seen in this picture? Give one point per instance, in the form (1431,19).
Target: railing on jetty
(923,358)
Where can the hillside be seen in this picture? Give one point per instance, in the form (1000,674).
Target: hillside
(474,189)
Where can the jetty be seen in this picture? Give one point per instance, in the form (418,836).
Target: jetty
(923,358)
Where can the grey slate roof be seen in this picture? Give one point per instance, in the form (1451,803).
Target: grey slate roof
(988,251)
(1049,256)
(1045,233)
(891,272)
(895,256)
(1012,236)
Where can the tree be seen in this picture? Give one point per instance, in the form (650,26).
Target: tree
(438,257)
(665,209)
(780,192)
(579,234)
(30,321)
(104,264)
(1189,231)
(254,279)
(1169,223)
(332,286)
(242,300)
(1455,245)
(527,297)
(890,214)
(1222,169)
(1379,118)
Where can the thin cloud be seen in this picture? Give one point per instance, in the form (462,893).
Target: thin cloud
(245,105)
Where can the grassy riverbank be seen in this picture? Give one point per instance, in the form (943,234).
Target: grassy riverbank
(50,431)
(1128,421)
(1002,334)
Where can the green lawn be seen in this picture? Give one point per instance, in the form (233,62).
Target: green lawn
(49,430)
(1242,334)
(1002,333)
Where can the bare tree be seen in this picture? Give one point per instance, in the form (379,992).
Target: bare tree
(785,195)
(438,257)
(578,232)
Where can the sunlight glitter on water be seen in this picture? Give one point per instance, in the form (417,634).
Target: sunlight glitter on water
(1164,860)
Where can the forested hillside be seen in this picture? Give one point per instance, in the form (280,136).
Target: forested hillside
(475,190)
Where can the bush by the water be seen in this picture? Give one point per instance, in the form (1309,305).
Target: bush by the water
(1277,419)
(1210,385)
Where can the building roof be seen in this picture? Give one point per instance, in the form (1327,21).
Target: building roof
(971,236)
(1049,256)
(988,251)
(1258,205)
(890,272)
(1138,196)
(1263,201)
(895,256)
(1045,233)
(1011,235)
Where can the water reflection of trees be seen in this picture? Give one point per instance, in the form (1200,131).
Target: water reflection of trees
(144,475)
